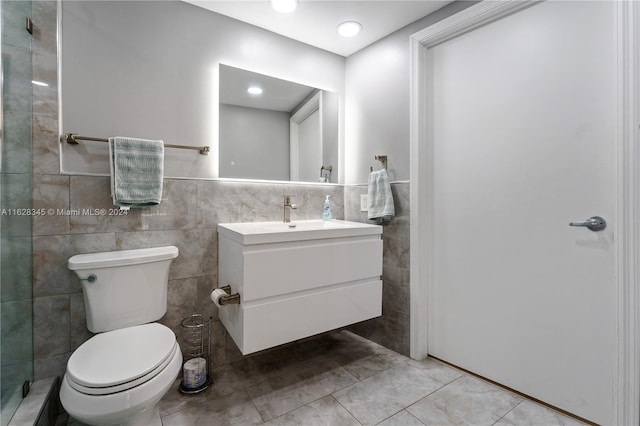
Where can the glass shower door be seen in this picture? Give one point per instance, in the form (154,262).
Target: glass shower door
(16,295)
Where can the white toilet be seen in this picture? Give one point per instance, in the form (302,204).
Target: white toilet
(119,375)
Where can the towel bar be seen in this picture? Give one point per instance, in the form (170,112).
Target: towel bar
(73,138)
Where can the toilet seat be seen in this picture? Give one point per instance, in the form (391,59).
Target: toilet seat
(119,360)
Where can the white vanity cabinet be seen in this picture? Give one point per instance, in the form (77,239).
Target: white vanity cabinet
(295,282)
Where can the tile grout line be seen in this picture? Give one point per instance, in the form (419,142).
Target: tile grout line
(310,402)
(431,393)
(407,406)
(397,412)
(409,413)
(405,409)
(352,375)
(353,384)
(519,394)
(512,408)
(254,405)
(345,408)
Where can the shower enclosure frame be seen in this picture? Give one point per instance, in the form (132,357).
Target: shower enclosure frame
(16,196)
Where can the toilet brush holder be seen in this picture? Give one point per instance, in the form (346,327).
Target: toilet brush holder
(196,352)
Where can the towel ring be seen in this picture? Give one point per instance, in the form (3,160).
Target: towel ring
(382,159)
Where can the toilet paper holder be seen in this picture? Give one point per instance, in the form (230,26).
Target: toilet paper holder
(196,351)
(229,299)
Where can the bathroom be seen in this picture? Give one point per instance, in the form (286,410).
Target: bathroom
(188,43)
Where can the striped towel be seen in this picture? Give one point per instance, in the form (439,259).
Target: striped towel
(137,167)
(381,207)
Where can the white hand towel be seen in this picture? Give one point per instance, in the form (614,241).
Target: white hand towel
(381,208)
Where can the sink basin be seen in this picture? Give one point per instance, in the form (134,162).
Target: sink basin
(248,233)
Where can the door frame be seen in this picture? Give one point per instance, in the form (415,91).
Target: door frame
(626,223)
(310,106)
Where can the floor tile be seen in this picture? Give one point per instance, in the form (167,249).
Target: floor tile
(232,409)
(175,401)
(236,376)
(298,386)
(373,346)
(343,379)
(436,369)
(378,397)
(275,363)
(466,401)
(333,345)
(529,413)
(325,411)
(358,356)
(373,364)
(188,418)
(403,418)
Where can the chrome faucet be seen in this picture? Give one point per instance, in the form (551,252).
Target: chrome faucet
(288,206)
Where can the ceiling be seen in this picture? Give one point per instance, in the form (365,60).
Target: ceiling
(278,95)
(315,21)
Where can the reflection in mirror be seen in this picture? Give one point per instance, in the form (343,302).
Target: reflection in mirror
(275,129)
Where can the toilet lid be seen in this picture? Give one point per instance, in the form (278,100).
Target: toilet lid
(121,356)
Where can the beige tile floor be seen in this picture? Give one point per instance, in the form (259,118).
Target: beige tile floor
(343,379)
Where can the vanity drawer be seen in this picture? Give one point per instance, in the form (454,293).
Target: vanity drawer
(261,325)
(309,266)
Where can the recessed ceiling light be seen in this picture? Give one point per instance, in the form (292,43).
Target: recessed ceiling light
(349,28)
(255,90)
(39,83)
(284,6)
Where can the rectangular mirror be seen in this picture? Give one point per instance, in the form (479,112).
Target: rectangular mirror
(275,129)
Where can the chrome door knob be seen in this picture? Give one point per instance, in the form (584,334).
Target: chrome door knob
(594,223)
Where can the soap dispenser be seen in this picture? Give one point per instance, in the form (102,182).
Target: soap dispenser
(326,210)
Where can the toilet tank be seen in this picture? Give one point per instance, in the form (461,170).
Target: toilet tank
(130,286)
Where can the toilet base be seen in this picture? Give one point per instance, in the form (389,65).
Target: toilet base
(150,417)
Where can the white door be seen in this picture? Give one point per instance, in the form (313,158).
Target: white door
(524,141)
(310,148)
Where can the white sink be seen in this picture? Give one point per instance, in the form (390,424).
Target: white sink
(247,233)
